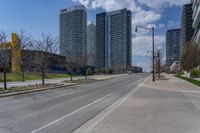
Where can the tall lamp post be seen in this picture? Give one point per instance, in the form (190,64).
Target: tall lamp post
(152,30)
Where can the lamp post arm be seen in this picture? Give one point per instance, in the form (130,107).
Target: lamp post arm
(144,28)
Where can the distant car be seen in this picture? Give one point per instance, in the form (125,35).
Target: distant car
(130,72)
(136,69)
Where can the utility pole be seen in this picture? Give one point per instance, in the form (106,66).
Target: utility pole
(159,64)
(152,30)
(153,73)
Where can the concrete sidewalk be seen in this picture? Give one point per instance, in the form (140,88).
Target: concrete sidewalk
(170,106)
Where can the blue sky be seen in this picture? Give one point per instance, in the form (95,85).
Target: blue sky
(42,16)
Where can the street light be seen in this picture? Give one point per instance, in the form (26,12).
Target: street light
(152,30)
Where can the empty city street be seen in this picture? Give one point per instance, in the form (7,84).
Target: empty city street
(100,66)
(65,109)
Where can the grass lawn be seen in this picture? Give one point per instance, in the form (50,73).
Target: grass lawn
(31,76)
(193,81)
(51,76)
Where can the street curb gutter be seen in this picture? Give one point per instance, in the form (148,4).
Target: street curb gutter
(3,95)
(189,83)
(33,91)
(91,124)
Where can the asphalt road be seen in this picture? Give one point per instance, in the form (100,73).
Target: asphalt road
(65,109)
(57,80)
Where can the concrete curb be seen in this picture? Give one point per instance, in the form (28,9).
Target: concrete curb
(189,83)
(9,94)
(32,91)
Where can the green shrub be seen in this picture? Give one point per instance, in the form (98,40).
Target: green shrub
(195,73)
(89,71)
(181,72)
(108,71)
(103,70)
(97,70)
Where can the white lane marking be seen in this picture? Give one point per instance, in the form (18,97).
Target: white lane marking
(47,125)
(90,125)
(46,99)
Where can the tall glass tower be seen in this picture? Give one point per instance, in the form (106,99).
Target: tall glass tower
(187,30)
(172,46)
(196,22)
(114,39)
(73,24)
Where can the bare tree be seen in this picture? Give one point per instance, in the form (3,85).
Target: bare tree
(83,60)
(24,44)
(70,66)
(5,56)
(190,57)
(198,56)
(44,49)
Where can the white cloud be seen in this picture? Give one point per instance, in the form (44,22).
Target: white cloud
(142,44)
(109,5)
(140,15)
(161,26)
(143,17)
(83,2)
(161,4)
(133,5)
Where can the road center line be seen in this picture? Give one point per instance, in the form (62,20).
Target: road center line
(47,125)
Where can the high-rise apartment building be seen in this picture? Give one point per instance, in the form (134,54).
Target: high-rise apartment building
(73,24)
(172,46)
(113,33)
(196,22)
(187,30)
(91,44)
(100,39)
